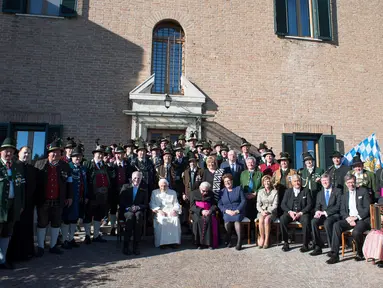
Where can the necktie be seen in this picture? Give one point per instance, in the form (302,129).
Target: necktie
(327,195)
(192,179)
(8,164)
(232,168)
(251,184)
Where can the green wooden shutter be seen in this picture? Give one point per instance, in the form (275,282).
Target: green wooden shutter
(68,8)
(3,132)
(326,148)
(280,17)
(288,145)
(14,6)
(322,17)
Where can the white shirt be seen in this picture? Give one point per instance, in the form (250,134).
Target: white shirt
(352,204)
(296,192)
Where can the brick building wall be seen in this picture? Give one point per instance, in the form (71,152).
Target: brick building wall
(79,71)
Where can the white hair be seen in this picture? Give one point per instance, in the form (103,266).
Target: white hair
(163,180)
(137,173)
(232,152)
(205,185)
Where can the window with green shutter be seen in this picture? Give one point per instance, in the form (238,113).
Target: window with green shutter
(64,8)
(303,18)
(318,145)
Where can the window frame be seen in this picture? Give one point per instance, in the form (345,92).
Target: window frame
(68,8)
(171,24)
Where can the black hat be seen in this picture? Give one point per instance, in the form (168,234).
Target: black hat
(244,142)
(181,137)
(78,150)
(192,157)
(8,143)
(192,136)
(119,149)
(70,143)
(129,143)
(356,159)
(336,154)
(99,148)
(307,156)
(141,146)
(206,145)
(263,146)
(218,143)
(284,156)
(108,150)
(178,147)
(268,152)
(199,144)
(57,144)
(155,147)
(225,148)
(164,140)
(167,151)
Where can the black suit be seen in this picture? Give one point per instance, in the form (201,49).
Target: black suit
(337,175)
(134,220)
(301,203)
(333,215)
(362,199)
(238,168)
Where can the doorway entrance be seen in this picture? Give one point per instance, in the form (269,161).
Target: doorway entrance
(155,134)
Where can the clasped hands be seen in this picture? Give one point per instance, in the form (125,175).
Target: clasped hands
(231,212)
(133,208)
(206,213)
(295,215)
(164,214)
(319,214)
(351,220)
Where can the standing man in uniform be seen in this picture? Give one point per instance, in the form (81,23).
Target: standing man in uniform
(69,146)
(54,192)
(337,171)
(12,195)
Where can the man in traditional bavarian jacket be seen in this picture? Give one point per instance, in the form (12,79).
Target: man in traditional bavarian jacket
(364,178)
(55,190)
(156,156)
(122,175)
(129,151)
(12,193)
(143,164)
(69,146)
(80,199)
(99,184)
(311,176)
(337,171)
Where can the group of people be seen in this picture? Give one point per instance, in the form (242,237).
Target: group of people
(190,183)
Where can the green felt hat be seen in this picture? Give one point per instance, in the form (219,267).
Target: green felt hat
(8,143)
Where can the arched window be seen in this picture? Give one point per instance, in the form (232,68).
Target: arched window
(167,57)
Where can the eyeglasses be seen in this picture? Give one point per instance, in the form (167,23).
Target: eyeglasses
(205,190)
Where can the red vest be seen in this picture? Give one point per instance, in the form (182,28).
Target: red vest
(52,190)
(101,179)
(121,176)
(269,170)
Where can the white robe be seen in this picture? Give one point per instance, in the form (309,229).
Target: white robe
(167,229)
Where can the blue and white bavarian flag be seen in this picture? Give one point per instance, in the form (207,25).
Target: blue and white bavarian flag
(369,153)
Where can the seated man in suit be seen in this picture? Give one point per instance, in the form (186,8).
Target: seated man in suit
(327,212)
(133,203)
(355,214)
(297,205)
(233,167)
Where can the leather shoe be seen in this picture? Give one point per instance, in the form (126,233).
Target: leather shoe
(55,250)
(99,239)
(334,259)
(286,247)
(66,245)
(330,254)
(359,257)
(74,244)
(113,232)
(40,252)
(238,247)
(304,249)
(317,251)
(380,264)
(87,240)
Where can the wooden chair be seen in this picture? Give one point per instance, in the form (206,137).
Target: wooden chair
(348,233)
(246,223)
(275,224)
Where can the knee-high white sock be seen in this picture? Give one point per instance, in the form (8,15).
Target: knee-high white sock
(65,231)
(87,229)
(54,235)
(72,230)
(96,228)
(41,236)
(4,242)
(113,218)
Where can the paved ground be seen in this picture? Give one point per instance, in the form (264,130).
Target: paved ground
(103,265)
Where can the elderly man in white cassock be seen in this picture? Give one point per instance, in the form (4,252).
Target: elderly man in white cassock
(166,209)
